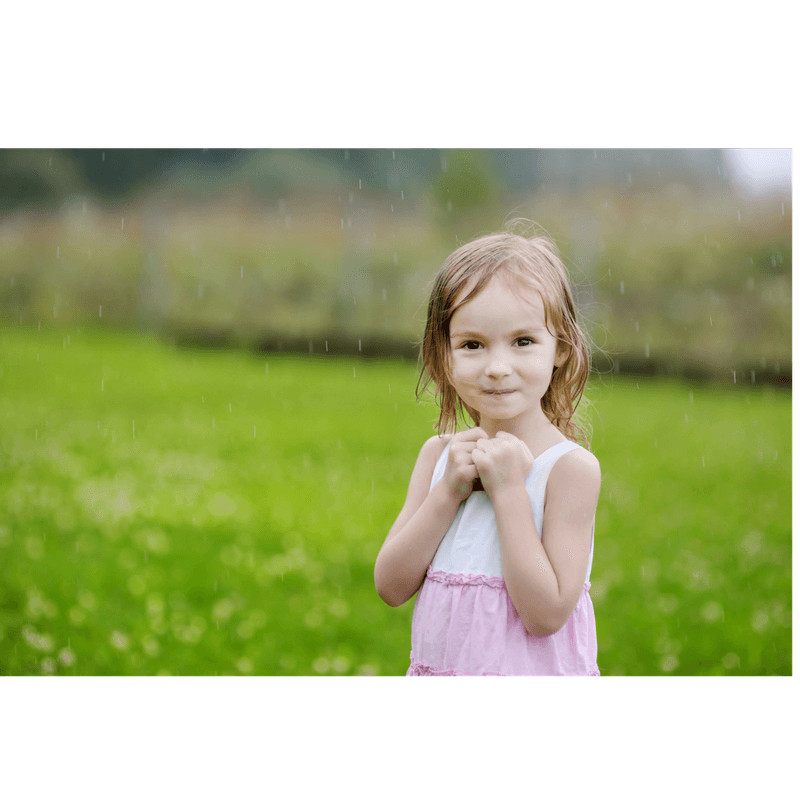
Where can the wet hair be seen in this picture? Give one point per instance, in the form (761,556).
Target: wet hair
(533,262)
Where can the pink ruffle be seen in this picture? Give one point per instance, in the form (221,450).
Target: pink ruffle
(457,579)
(467,625)
(421,670)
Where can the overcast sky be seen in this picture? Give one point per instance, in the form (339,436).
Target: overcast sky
(761,171)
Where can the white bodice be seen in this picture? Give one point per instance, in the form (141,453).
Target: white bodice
(471,545)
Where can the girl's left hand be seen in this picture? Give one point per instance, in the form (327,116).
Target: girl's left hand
(502,461)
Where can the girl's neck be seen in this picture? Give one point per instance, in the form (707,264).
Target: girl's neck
(538,433)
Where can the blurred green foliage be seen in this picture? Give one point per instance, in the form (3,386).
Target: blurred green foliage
(174,511)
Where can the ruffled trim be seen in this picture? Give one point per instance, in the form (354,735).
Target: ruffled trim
(460,579)
(420,670)
(463,579)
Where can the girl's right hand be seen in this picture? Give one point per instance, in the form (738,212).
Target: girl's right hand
(461,472)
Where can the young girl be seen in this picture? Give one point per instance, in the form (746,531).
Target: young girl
(497,529)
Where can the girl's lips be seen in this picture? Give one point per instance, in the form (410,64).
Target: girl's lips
(499,391)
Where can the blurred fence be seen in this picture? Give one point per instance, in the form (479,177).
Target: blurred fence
(668,282)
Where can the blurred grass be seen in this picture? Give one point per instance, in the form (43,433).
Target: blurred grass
(171,511)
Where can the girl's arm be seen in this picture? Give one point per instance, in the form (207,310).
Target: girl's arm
(545,578)
(416,533)
(426,516)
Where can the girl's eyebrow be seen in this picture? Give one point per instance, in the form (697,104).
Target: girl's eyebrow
(519,332)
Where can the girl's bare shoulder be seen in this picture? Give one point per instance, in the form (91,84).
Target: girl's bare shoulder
(421,477)
(577,470)
(426,460)
(434,447)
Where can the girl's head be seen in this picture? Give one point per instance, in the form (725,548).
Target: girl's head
(531,263)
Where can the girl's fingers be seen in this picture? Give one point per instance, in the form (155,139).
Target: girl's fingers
(473,434)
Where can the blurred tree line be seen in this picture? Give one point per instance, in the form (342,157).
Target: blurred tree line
(45,178)
(332,250)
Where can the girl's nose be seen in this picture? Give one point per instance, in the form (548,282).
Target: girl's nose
(497,366)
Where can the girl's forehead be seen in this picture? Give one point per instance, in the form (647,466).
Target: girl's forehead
(500,304)
(505,285)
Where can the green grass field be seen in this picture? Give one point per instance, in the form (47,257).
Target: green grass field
(167,511)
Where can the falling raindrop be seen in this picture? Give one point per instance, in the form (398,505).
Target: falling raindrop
(58,252)
(359,345)
(122,228)
(359,183)
(326,345)
(392,207)
(647,351)
(752,376)
(401,196)
(734,376)
(711,322)
(739,215)
(622,287)
(101,311)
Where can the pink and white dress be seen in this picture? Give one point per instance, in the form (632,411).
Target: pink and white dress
(464,622)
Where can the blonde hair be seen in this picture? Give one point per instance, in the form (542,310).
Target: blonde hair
(535,262)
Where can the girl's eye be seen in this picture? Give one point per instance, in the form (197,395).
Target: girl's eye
(470,345)
(524,341)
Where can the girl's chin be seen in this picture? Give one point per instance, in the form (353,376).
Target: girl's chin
(494,415)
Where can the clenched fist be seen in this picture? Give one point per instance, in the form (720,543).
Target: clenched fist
(501,461)
(461,470)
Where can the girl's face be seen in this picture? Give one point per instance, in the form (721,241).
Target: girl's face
(501,353)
